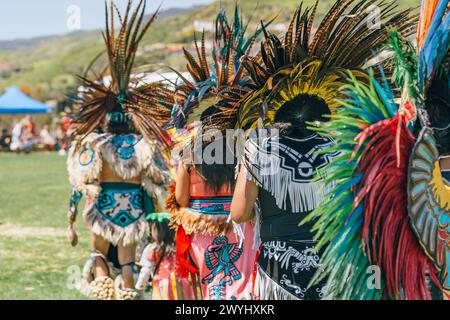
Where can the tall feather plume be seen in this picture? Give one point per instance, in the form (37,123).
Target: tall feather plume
(404,73)
(434,41)
(426,16)
(148,105)
(218,85)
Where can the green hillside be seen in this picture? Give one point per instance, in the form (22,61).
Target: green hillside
(47,68)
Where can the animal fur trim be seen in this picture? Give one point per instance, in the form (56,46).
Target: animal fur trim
(147,160)
(116,235)
(84,176)
(157,168)
(157,192)
(157,177)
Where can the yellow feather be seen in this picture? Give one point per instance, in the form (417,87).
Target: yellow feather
(306,80)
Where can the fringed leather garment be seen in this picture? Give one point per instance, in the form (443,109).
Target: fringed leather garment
(284,168)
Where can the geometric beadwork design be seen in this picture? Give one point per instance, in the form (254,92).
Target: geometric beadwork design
(123,218)
(106,201)
(124,145)
(137,200)
(122,207)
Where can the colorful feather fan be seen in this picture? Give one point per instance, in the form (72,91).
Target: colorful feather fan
(345,39)
(369,225)
(149,105)
(371,251)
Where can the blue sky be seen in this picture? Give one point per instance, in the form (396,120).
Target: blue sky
(31,18)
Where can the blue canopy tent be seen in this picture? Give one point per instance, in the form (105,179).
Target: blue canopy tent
(15,101)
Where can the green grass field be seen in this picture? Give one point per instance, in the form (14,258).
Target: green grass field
(36,259)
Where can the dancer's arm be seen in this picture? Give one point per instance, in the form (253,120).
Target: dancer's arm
(182,193)
(75,199)
(244,198)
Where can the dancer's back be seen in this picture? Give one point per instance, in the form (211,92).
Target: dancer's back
(109,175)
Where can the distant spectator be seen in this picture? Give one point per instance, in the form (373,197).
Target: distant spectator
(27,138)
(63,135)
(47,139)
(5,140)
(30,125)
(66,123)
(23,139)
(16,142)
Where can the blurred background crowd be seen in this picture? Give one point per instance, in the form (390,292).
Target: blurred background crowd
(25,136)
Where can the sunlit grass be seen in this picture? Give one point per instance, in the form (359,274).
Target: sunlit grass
(34,252)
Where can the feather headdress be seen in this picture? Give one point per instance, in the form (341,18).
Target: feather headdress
(371,251)
(217,87)
(348,36)
(388,215)
(147,106)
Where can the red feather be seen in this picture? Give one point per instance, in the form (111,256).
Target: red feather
(183,243)
(387,237)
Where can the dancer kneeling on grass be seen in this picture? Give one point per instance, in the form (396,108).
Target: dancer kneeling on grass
(116,162)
